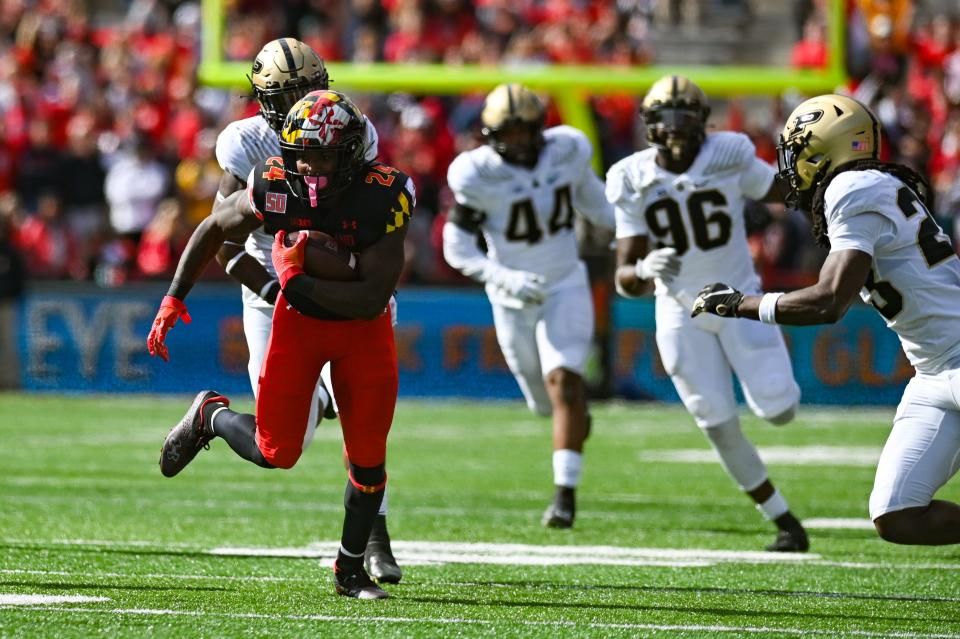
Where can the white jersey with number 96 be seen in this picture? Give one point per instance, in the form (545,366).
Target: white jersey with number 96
(698,212)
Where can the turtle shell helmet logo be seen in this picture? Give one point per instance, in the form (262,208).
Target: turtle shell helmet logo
(323,121)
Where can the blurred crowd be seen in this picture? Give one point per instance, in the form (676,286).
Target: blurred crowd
(107,142)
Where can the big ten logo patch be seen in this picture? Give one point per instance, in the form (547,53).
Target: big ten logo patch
(276,202)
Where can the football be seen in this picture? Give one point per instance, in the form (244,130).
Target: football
(324,257)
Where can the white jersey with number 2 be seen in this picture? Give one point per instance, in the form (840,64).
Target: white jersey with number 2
(915,280)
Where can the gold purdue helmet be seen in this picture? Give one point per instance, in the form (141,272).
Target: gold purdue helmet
(675,111)
(284,71)
(510,107)
(821,135)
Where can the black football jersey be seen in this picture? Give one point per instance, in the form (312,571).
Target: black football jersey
(378,202)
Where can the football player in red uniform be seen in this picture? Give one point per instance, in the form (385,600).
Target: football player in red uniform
(321,182)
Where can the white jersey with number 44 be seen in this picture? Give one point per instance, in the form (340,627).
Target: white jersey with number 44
(526,215)
(915,279)
(698,212)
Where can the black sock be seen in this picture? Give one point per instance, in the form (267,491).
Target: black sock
(379,534)
(361,508)
(348,564)
(239,429)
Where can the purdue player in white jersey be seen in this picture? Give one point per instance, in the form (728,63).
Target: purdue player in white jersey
(679,211)
(284,71)
(885,245)
(520,191)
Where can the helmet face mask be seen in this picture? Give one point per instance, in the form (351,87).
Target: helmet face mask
(675,112)
(326,132)
(822,134)
(513,118)
(284,71)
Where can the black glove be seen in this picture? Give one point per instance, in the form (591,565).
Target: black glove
(718,299)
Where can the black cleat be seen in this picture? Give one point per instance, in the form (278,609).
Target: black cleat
(791,537)
(790,541)
(186,439)
(378,558)
(380,563)
(561,512)
(329,411)
(356,584)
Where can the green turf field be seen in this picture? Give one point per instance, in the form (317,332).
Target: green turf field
(664,545)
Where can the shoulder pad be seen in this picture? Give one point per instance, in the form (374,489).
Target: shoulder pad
(630,177)
(853,192)
(242,143)
(727,151)
(569,145)
(471,173)
(371,143)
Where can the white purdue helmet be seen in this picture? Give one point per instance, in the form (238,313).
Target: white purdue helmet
(284,71)
(510,105)
(675,111)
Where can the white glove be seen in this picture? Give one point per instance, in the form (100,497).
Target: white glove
(662,263)
(525,286)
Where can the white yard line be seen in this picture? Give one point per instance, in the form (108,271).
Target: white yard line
(838,523)
(755,630)
(34,600)
(411,552)
(425,553)
(781,455)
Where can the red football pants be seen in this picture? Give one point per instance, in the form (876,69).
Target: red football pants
(363,368)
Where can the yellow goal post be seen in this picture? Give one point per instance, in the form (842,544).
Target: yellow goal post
(570,86)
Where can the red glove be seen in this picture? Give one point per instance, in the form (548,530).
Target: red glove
(288,260)
(171,309)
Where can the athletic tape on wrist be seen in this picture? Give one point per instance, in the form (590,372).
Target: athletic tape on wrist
(768,308)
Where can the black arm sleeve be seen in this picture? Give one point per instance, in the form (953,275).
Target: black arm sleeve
(467,218)
(298,292)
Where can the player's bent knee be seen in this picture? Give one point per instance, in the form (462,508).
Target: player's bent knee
(706,413)
(570,385)
(890,528)
(900,526)
(285,457)
(785,417)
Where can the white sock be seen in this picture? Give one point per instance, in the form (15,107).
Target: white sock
(566,467)
(383,504)
(775,506)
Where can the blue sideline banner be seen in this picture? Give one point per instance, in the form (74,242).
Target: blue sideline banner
(856,361)
(90,340)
